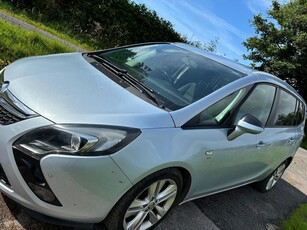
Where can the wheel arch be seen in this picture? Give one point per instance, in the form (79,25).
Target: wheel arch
(177,170)
(185,174)
(187,179)
(289,160)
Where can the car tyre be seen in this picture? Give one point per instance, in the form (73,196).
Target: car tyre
(270,181)
(147,203)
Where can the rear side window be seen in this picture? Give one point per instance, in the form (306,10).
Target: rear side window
(300,114)
(286,110)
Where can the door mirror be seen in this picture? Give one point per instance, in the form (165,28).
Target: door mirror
(247,124)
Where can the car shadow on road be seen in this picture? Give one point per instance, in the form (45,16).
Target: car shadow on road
(241,208)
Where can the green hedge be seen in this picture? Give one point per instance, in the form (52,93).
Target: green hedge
(100,23)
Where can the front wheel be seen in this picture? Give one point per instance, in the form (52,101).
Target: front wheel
(147,203)
(269,182)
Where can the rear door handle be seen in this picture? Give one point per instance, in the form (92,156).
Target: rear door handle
(290,140)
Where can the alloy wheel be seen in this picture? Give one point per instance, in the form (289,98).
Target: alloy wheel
(150,205)
(275,176)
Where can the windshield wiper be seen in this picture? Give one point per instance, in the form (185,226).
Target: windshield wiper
(123,74)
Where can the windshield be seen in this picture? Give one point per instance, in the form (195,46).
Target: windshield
(177,76)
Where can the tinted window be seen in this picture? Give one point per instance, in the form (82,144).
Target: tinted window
(179,77)
(259,103)
(286,107)
(216,113)
(300,114)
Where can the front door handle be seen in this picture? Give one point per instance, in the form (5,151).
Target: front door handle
(260,144)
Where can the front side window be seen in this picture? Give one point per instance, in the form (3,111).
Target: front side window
(178,77)
(218,112)
(259,103)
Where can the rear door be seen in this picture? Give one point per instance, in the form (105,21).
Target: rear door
(286,125)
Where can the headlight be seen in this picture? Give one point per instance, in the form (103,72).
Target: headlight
(75,140)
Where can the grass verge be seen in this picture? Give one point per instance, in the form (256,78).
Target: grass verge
(297,220)
(16,43)
(24,16)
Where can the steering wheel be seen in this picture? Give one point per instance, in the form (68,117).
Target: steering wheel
(163,75)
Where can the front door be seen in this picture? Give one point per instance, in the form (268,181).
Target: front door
(220,163)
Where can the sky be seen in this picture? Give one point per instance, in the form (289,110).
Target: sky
(204,20)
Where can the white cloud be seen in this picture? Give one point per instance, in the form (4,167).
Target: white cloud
(214,26)
(258,6)
(207,16)
(198,23)
(261,6)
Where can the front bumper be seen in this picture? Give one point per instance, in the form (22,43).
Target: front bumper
(56,221)
(86,187)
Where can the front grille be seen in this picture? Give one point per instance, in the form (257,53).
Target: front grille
(7,118)
(3,177)
(11,109)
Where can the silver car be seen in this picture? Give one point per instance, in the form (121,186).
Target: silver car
(122,135)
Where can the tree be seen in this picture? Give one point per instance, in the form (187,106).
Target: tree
(280,44)
(210,46)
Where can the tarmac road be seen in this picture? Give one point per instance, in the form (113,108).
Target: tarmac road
(242,208)
(245,208)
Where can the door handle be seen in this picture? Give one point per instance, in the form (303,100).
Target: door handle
(290,140)
(209,153)
(260,144)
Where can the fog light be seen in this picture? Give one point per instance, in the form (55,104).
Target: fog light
(42,193)
(31,172)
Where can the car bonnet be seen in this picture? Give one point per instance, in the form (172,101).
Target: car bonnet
(65,88)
